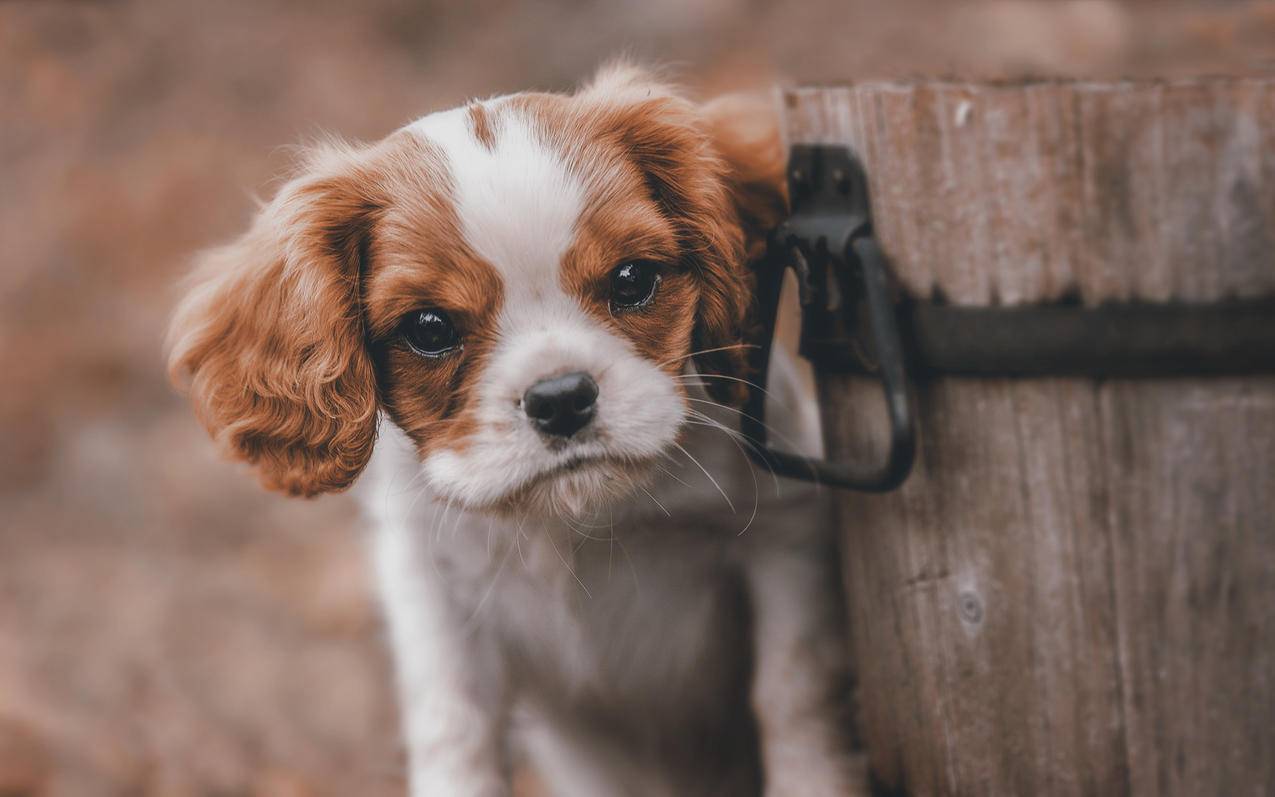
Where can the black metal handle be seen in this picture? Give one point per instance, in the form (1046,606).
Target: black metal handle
(827,241)
(887,349)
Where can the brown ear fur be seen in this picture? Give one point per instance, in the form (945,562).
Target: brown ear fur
(744,129)
(718,172)
(270,341)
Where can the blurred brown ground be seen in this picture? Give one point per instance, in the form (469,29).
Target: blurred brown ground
(165,627)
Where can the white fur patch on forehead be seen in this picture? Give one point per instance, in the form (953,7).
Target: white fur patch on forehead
(517,201)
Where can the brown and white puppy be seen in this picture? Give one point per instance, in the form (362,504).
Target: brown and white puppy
(534,306)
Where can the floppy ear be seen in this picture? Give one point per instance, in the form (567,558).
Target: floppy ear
(744,129)
(269,340)
(717,172)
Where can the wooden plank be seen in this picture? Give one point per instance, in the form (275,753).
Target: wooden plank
(1075,592)
(1022,193)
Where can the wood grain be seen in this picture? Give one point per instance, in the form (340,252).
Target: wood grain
(1075,592)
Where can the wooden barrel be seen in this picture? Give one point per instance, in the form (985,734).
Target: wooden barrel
(1074,593)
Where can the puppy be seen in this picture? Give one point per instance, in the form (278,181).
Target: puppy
(535,307)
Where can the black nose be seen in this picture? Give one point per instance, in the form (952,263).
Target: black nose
(563,405)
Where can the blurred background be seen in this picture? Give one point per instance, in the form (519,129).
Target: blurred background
(165,626)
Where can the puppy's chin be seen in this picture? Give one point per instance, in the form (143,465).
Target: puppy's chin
(580,488)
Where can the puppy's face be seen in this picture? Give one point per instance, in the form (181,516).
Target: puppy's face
(519,284)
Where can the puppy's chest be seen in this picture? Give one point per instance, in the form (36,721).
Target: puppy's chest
(646,625)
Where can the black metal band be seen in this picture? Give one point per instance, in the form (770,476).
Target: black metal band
(1117,340)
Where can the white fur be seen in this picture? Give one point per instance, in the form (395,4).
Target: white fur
(517,202)
(608,641)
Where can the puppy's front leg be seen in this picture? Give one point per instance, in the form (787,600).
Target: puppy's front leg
(450,682)
(799,682)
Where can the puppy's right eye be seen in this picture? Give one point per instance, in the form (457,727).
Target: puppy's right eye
(429,332)
(633,284)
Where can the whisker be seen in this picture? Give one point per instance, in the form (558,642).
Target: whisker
(518,534)
(637,587)
(418,476)
(471,623)
(610,544)
(690,354)
(571,525)
(671,475)
(437,534)
(654,499)
(814,474)
(706,473)
(561,558)
(405,520)
(771,430)
(712,424)
(442,519)
(764,391)
(578,522)
(460,515)
(738,438)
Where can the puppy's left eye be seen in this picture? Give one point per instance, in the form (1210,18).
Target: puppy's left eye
(633,284)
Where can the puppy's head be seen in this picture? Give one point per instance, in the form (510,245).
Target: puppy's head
(520,285)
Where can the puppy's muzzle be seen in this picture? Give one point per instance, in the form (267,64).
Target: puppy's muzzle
(563,405)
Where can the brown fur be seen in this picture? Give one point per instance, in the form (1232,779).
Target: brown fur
(271,338)
(480,125)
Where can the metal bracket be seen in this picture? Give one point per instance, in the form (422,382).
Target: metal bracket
(842,279)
